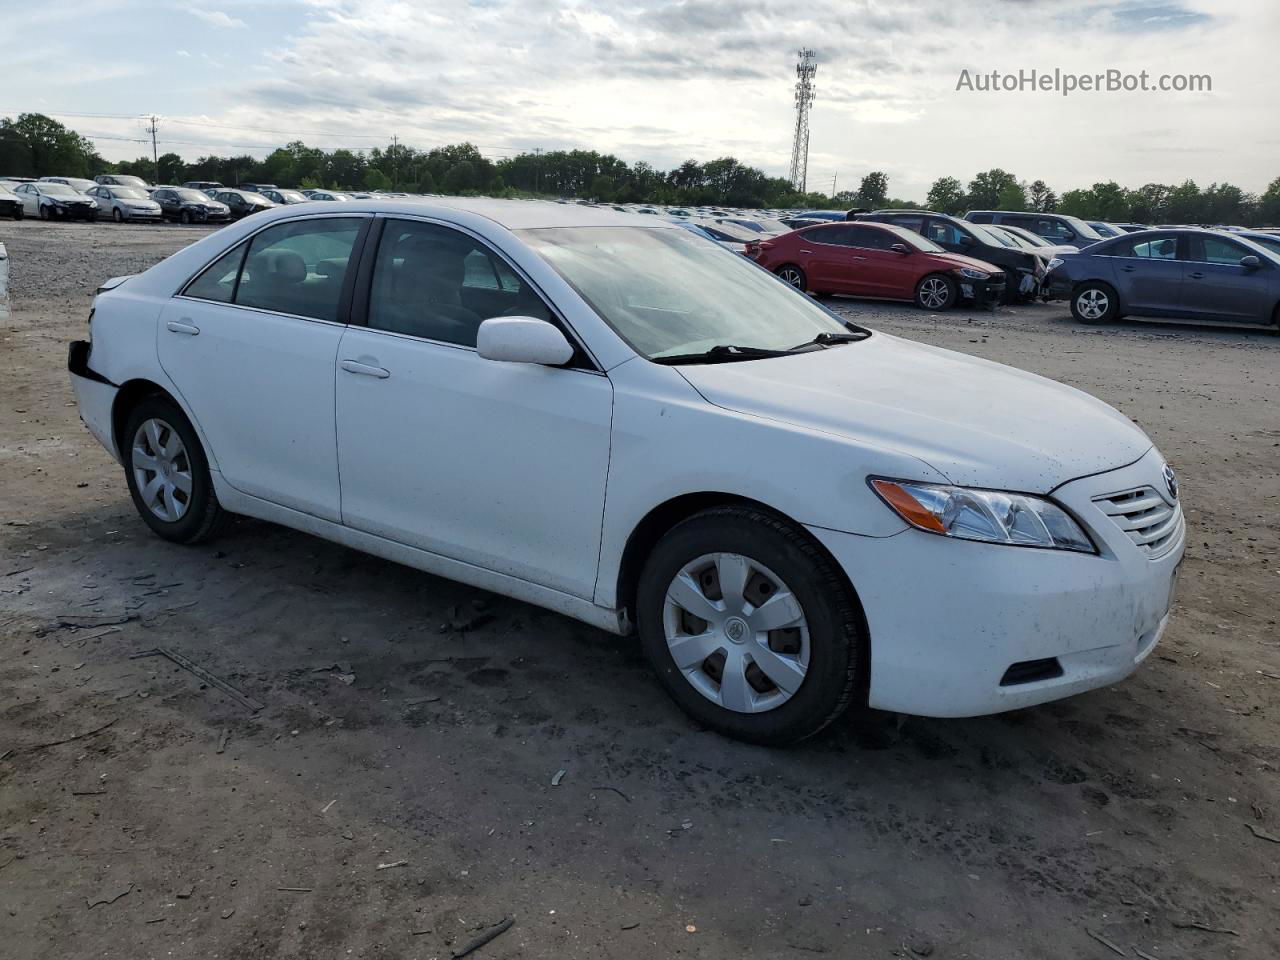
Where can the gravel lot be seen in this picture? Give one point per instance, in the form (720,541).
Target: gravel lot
(1146,815)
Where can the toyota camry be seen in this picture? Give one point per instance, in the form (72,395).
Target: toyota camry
(612,418)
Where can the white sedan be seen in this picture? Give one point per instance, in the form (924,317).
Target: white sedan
(612,418)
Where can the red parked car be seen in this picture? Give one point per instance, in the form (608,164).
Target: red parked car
(878,260)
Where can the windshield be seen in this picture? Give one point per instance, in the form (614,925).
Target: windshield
(910,237)
(669,292)
(192,196)
(1081,228)
(291,195)
(129,193)
(130,181)
(57,190)
(984,235)
(1026,236)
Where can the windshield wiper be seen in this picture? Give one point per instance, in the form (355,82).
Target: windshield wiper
(721,353)
(826,338)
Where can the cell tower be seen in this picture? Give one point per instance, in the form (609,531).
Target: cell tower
(806,67)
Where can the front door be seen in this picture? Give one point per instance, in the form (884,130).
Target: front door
(251,344)
(499,465)
(1216,286)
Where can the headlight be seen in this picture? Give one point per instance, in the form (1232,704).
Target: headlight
(1055,263)
(973,274)
(991,516)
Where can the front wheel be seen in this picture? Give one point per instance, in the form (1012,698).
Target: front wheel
(117,216)
(749,626)
(168,474)
(936,292)
(44,212)
(19,213)
(793,275)
(186,217)
(1094,302)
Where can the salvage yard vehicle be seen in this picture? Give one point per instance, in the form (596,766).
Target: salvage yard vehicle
(614,419)
(878,260)
(1185,274)
(241,203)
(1054,227)
(75,183)
(122,204)
(120,180)
(10,203)
(187,205)
(55,201)
(1023,270)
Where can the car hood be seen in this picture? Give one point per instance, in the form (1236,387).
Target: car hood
(960,260)
(978,423)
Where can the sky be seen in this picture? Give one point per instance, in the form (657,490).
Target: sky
(665,81)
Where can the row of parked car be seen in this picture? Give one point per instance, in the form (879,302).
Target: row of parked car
(1221,274)
(127,198)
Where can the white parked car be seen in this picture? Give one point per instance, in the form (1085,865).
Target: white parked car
(605,415)
(125,203)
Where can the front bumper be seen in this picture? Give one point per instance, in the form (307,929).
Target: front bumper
(1056,287)
(95,395)
(74,212)
(948,619)
(982,293)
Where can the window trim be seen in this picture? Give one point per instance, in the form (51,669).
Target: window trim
(583,360)
(348,282)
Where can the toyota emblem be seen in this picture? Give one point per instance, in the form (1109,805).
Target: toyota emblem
(1171,481)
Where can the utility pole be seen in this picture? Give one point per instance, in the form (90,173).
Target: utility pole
(537,170)
(806,68)
(395,162)
(833,183)
(155,151)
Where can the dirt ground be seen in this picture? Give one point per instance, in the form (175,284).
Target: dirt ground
(399,792)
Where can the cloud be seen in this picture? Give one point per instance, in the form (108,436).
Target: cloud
(217,18)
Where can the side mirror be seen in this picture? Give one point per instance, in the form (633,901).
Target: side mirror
(522,340)
(1250,262)
(900,248)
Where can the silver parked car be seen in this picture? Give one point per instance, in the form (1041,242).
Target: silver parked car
(126,203)
(75,183)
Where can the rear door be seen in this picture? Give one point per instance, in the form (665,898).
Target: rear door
(827,260)
(1216,286)
(1149,273)
(251,345)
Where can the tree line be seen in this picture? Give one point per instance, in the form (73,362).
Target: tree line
(37,145)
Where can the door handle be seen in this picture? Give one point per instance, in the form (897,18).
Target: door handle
(183,326)
(806,251)
(1128,269)
(365,369)
(859,258)
(1196,276)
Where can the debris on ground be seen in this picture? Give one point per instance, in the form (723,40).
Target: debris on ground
(1105,942)
(1200,925)
(1262,834)
(559,775)
(78,736)
(222,739)
(394,863)
(186,892)
(214,681)
(110,895)
(484,938)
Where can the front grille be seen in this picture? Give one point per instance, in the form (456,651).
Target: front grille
(1149,520)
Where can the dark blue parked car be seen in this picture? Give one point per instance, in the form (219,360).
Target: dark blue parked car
(1189,274)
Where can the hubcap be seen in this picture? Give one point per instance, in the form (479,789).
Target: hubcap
(736,632)
(1093,304)
(934,293)
(161,469)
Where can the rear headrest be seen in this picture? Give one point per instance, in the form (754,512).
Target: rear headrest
(280,266)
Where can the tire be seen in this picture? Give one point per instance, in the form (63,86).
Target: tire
(117,216)
(936,292)
(93,217)
(200,516)
(19,213)
(821,656)
(44,212)
(1095,302)
(793,275)
(185,217)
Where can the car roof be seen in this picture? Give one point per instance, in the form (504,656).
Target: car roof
(512,214)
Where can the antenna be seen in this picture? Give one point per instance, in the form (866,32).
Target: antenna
(806,68)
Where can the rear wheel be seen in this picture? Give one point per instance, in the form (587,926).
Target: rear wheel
(1094,302)
(749,626)
(168,474)
(936,292)
(793,275)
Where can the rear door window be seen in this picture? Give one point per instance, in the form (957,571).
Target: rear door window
(217,282)
(299,267)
